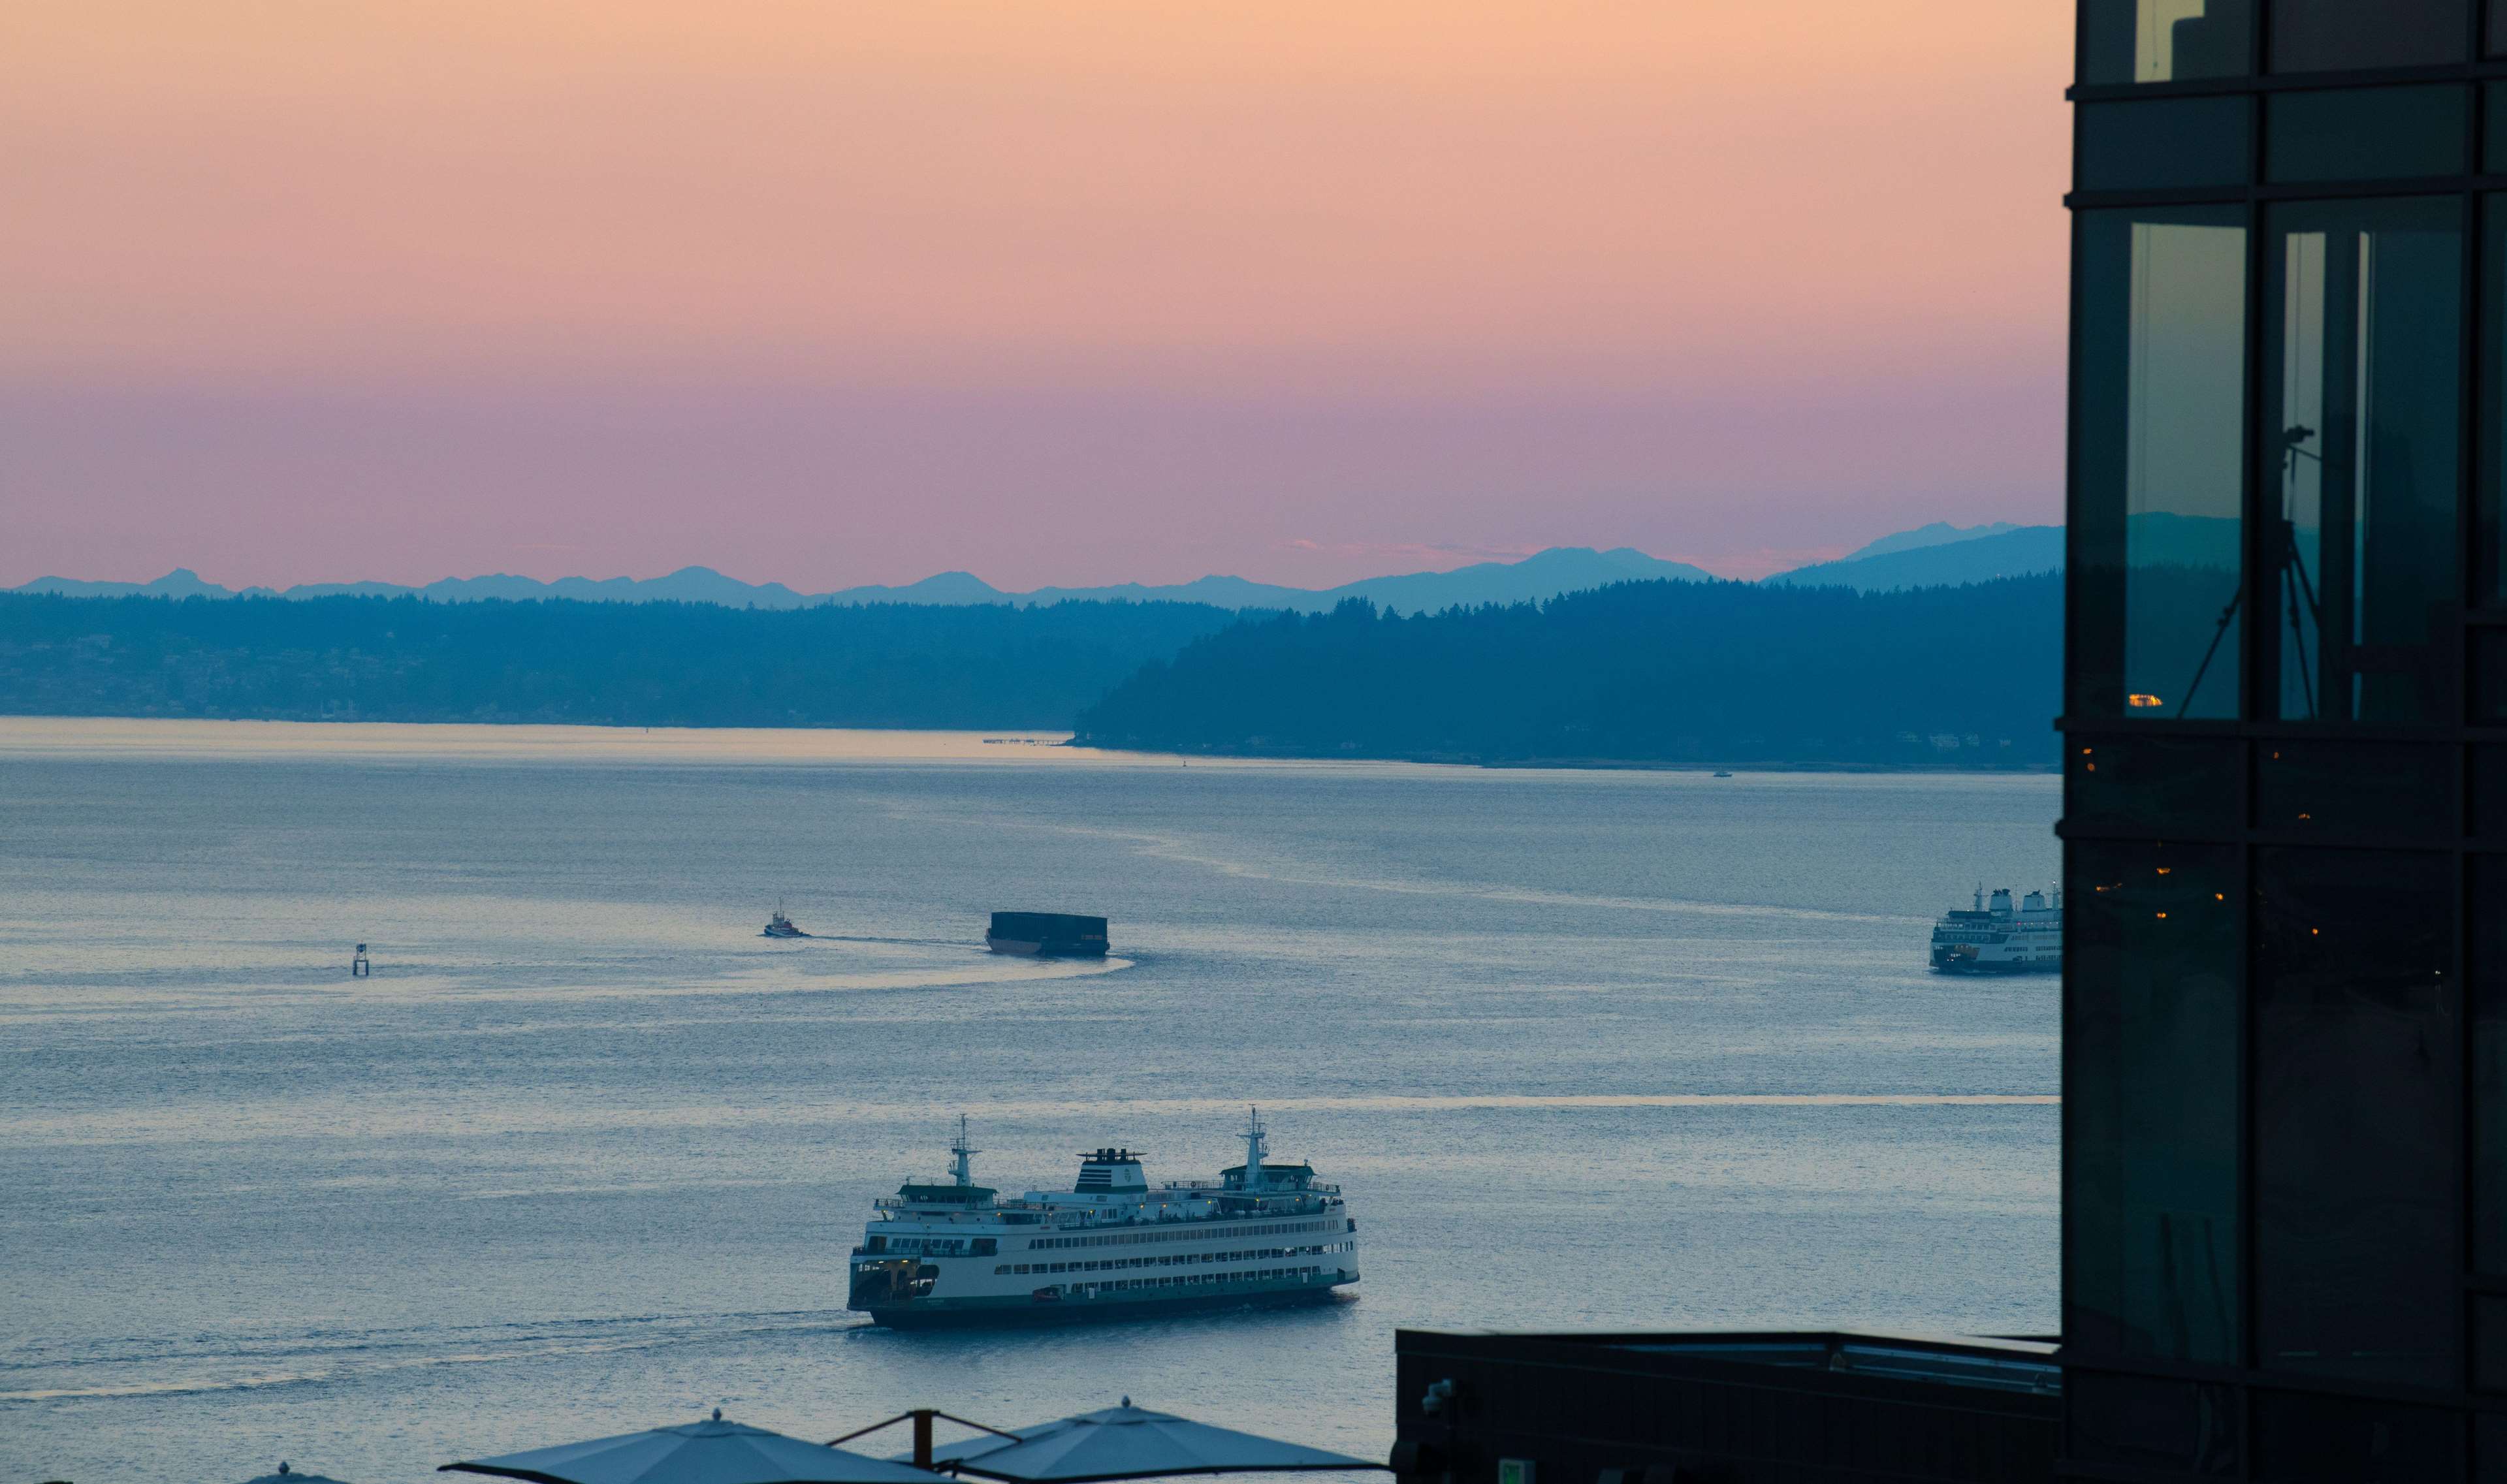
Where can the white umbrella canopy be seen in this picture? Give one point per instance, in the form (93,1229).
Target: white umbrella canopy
(1128,1442)
(288,1476)
(715,1452)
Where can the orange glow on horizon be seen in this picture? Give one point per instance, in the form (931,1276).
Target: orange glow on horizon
(1089,292)
(1438,192)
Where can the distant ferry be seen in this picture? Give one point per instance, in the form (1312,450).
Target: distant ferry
(1994,938)
(1110,1248)
(781,926)
(1047,934)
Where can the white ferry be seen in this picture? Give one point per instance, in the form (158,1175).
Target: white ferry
(1995,938)
(1112,1246)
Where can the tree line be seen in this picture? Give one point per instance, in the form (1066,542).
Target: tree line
(657,664)
(1648,673)
(1641,672)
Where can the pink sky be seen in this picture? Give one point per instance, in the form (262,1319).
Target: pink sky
(828,293)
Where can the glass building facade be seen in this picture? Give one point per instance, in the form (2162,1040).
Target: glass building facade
(2285,722)
(2284,1229)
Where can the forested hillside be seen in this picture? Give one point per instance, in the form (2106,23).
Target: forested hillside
(659,663)
(1642,673)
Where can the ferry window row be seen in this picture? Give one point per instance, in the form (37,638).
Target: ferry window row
(1178,1259)
(936,1246)
(2335,590)
(1126,1239)
(2174,41)
(1119,1283)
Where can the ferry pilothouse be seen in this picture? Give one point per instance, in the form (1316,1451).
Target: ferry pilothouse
(1112,1246)
(1996,938)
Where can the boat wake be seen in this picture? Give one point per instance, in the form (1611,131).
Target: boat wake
(1182,850)
(134,1368)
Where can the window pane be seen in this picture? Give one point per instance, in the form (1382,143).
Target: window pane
(2321,1440)
(2490,793)
(2160,395)
(2489,1343)
(2492,505)
(2163,41)
(2149,1102)
(2364,133)
(2145,1422)
(2178,786)
(2355,1116)
(2490,677)
(2337,35)
(2163,143)
(2362,374)
(2356,789)
(2489,968)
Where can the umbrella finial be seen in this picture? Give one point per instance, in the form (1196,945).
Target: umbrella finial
(282,1466)
(1127,1401)
(718,1414)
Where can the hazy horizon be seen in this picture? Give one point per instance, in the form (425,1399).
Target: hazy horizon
(1118,292)
(1453,561)
(1458,562)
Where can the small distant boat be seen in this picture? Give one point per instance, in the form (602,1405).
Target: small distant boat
(781,926)
(1048,936)
(1723,775)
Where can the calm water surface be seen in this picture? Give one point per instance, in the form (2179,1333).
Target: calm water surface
(1586,1049)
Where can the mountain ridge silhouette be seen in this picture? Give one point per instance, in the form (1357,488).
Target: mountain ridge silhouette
(1936,555)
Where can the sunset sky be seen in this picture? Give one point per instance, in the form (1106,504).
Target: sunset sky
(1053,291)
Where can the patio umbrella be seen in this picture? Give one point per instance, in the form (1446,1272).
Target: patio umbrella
(715,1452)
(287,1475)
(1128,1442)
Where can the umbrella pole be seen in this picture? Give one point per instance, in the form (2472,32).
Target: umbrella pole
(922,1417)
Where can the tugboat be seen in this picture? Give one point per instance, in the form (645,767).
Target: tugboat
(781,926)
(1994,938)
(1264,1233)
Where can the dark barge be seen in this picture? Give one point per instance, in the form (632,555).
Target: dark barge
(1048,936)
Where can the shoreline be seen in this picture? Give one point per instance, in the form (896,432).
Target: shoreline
(104,737)
(2051,766)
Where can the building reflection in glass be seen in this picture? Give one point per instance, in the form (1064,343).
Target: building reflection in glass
(2160,391)
(2363,376)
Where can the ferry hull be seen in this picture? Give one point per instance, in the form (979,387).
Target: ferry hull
(1949,963)
(1006,1312)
